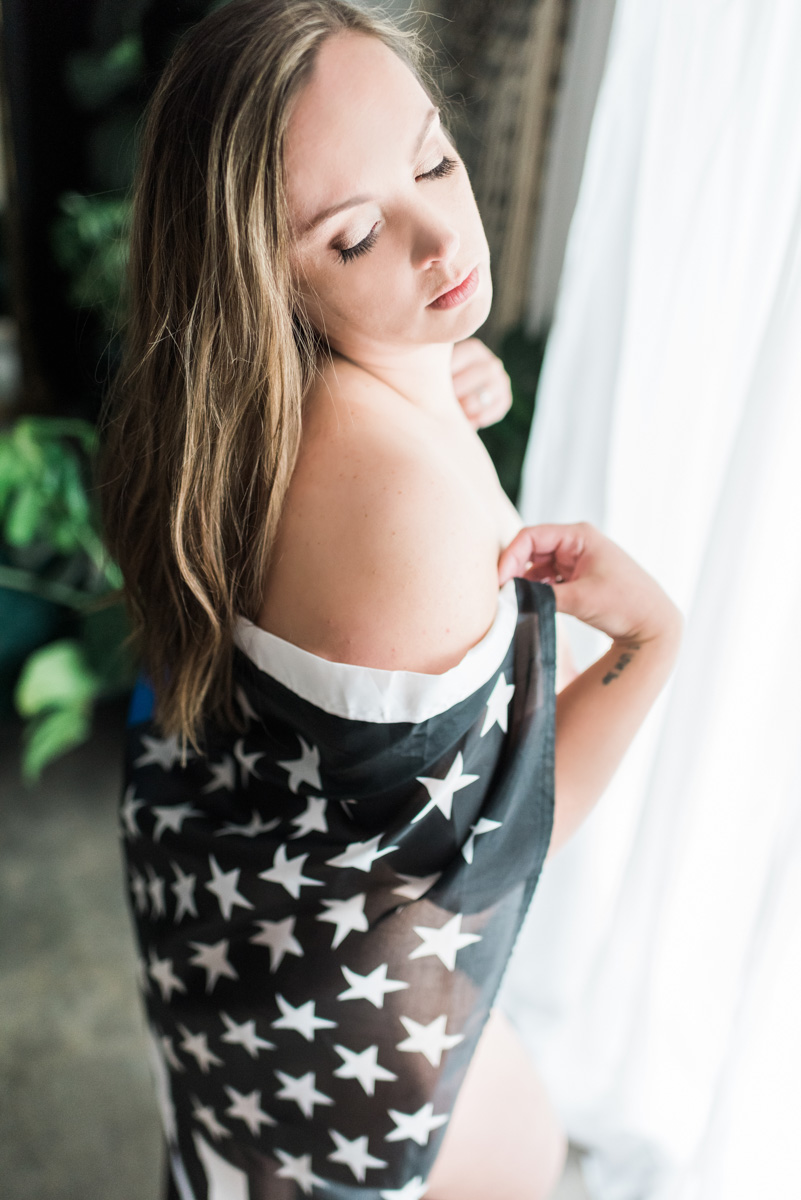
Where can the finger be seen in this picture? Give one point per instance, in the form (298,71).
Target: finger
(471,350)
(481,415)
(544,539)
(566,599)
(493,412)
(538,547)
(480,372)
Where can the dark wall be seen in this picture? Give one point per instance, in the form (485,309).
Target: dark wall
(44,147)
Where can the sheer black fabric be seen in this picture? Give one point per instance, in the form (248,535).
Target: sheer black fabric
(324,908)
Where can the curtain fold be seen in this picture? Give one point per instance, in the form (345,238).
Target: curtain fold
(658,977)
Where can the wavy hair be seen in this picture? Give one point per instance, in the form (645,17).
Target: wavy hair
(201,428)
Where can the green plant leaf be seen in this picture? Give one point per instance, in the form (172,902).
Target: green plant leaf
(55,676)
(50,735)
(47,428)
(10,474)
(90,242)
(94,78)
(24,516)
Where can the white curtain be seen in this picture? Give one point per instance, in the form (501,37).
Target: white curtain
(658,977)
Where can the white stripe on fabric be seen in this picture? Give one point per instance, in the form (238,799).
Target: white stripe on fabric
(225,1181)
(180,1177)
(372,693)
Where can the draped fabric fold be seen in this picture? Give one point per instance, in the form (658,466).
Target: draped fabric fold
(658,979)
(326,903)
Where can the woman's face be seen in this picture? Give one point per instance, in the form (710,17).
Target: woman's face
(364,138)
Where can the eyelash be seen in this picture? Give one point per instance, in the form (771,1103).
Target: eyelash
(346,253)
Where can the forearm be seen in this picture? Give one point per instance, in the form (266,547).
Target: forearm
(566,669)
(597,716)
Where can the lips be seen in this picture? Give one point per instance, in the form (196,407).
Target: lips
(456,292)
(450,287)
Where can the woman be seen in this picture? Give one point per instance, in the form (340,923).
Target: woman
(339,800)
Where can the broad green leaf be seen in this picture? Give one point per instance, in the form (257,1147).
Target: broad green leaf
(50,735)
(56,675)
(25,513)
(76,500)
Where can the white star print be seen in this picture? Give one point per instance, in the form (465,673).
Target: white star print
(172,817)
(418,1126)
(205,1115)
(184,889)
(313,818)
(303,1091)
(360,856)
(442,791)
(482,825)
(498,705)
(415,1189)
(363,1066)
(155,890)
(288,872)
(244,1035)
(254,827)
(415,886)
(223,885)
(139,890)
(197,1045)
(354,1154)
(299,1169)
(128,810)
(444,942)
(169,1053)
(347,915)
(244,704)
(214,961)
(370,987)
(248,1109)
(160,969)
(279,937)
(246,761)
(301,1019)
(305,769)
(162,752)
(223,775)
(430,1040)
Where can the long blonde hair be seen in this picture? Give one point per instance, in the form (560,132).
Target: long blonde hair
(201,429)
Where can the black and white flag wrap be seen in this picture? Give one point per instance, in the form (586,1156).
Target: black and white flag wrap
(325,905)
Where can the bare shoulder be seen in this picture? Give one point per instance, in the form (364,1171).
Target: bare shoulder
(384,556)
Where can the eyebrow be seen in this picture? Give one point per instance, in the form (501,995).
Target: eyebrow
(431,117)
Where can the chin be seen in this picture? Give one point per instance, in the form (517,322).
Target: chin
(473,315)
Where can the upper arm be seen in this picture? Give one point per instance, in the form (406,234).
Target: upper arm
(385,557)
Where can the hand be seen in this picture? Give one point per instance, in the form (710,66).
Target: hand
(593,579)
(481,384)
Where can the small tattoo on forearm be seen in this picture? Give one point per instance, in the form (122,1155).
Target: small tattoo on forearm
(620,665)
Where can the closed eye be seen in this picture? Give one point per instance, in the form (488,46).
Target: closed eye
(443,168)
(346,253)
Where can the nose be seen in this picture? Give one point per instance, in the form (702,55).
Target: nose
(437,241)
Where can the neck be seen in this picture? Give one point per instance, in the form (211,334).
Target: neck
(421,374)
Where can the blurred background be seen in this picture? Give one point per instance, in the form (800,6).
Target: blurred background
(638,168)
